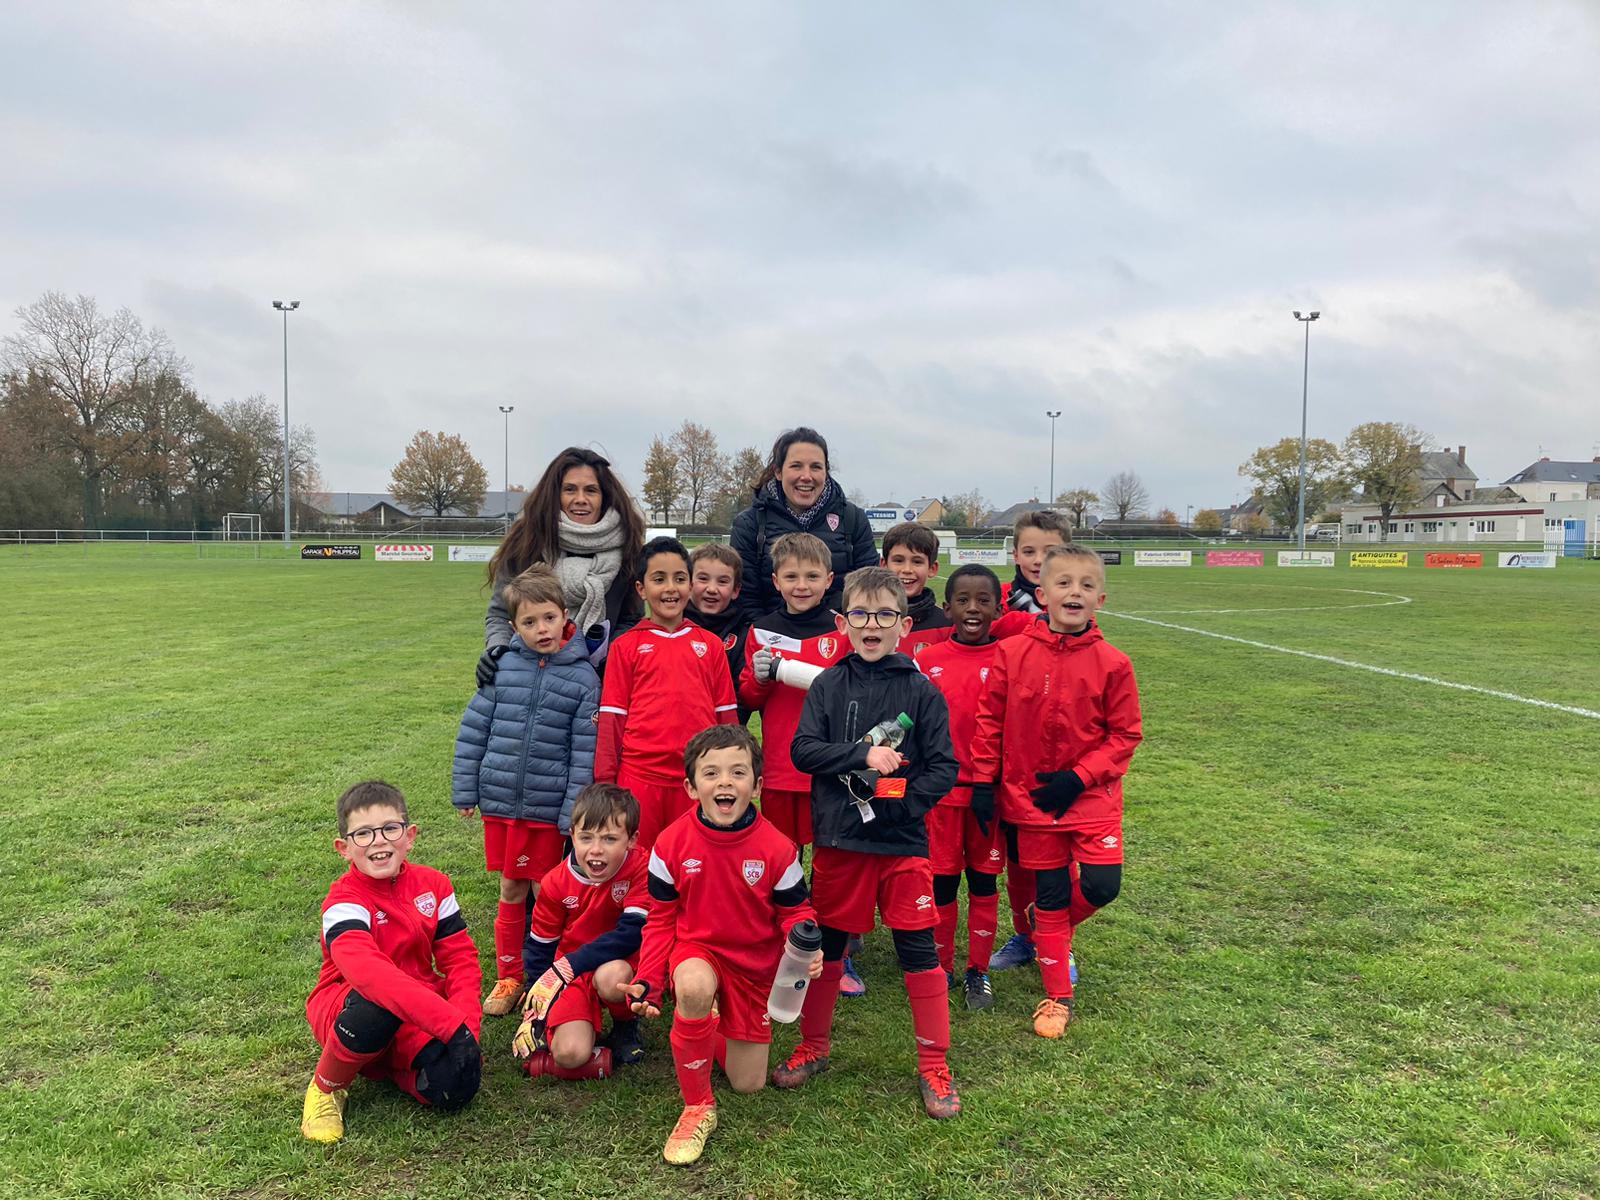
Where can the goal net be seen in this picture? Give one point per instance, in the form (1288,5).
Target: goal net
(241,527)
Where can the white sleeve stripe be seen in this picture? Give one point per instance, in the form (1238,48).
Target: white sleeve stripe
(659,869)
(449,906)
(337,914)
(725,708)
(621,712)
(634,908)
(791,877)
(543,940)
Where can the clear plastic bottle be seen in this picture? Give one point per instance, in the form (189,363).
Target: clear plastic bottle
(863,784)
(788,993)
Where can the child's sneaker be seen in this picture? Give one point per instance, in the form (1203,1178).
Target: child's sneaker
(1051,1018)
(626,1047)
(1072,968)
(850,983)
(979,992)
(1018,952)
(322,1116)
(802,1065)
(939,1097)
(949,981)
(687,1141)
(504,997)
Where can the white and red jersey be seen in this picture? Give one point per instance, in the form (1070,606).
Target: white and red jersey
(961,672)
(1007,624)
(809,637)
(661,688)
(737,892)
(572,910)
(1056,701)
(403,944)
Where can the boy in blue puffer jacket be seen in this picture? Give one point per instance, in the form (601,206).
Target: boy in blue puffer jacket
(525,751)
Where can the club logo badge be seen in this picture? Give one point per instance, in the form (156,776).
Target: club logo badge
(833,522)
(619,891)
(727,642)
(826,646)
(754,869)
(699,649)
(983,674)
(427,904)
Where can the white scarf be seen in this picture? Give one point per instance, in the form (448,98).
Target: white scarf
(591,557)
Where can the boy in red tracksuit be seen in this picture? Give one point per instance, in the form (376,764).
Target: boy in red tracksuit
(666,679)
(725,890)
(911,551)
(397,997)
(962,835)
(800,631)
(582,941)
(1057,728)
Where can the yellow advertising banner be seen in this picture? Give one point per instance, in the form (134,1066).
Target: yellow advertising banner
(1379,558)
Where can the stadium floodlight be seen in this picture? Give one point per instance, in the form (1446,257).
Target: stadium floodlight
(507,410)
(1305,378)
(1051,499)
(286,307)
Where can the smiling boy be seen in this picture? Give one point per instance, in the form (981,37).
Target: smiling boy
(911,551)
(716,575)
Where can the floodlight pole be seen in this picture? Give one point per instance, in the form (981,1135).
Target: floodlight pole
(1051,499)
(286,307)
(507,410)
(1305,378)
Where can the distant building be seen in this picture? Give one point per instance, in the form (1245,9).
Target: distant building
(1445,478)
(1007,516)
(380,510)
(1546,480)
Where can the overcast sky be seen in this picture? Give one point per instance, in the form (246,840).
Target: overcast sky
(915,226)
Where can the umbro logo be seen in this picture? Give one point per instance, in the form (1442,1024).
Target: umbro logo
(924,901)
(692,866)
(1049,962)
(647,648)
(570,901)
(522,860)
(1109,842)
(383,917)
(695,1065)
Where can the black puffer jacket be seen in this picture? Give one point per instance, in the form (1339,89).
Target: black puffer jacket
(844,702)
(840,524)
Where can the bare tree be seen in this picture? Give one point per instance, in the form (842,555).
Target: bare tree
(970,507)
(738,486)
(439,472)
(661,479)
(702,468)
(1079,503)
(1125,493)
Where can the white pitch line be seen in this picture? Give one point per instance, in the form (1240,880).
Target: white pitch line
(1393,599)
(1358,666)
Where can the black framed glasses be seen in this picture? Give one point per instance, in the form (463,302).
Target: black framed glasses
(389,831)
(883,618)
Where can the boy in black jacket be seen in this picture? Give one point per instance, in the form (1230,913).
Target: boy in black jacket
(868,804)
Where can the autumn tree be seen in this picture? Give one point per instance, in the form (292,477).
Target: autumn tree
(738,485)
(438,472)
(661,479)
(1252,524)
(702,468)
(1125,493)
(39,485)
(1384,459)
(1167,517)
(1275,471)
(1208,520)
(1079,503)
(966,509)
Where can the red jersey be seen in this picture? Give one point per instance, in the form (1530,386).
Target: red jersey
(736,892)
(1055,701)
(961,672)
(809,637)
(386,937)
(1007,624)
(660,690)
(572,910)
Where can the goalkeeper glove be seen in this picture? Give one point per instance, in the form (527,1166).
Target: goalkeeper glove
(764,663)
(983,806)
(1058,791)
(547,987)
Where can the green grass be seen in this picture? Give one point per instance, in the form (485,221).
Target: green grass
(1355,954)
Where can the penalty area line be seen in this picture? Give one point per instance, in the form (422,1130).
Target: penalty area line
(1573,710)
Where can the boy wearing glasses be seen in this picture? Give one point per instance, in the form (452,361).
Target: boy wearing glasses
(397,997)
(868,804)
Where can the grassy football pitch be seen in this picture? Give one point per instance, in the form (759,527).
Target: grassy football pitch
(1356,951)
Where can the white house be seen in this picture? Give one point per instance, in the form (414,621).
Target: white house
(1552,481)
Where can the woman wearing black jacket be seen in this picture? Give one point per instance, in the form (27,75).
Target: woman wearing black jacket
(796,494)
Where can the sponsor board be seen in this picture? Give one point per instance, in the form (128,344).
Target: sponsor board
(1235,558)
(947,540)
(1529,558)
(1311,558)
(346,553)
(1445,559)
(884,519)
(471,553)
(1163,558)
(404,552)
(982,556)
(654,531)
(1379,558)
(1111,558)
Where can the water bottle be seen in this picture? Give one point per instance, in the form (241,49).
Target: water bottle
(863,785)
(789,987)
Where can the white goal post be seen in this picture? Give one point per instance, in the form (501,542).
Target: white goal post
(241,527)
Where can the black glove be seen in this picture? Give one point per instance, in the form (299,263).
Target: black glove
(489,663)
(449,1073)
(983,806)
(1058,791)
(466,1059)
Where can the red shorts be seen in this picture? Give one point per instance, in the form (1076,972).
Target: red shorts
(741,998)
(789,812)
(579,1001)
(847,885)
(660,804)
(1042,849)
(521,849)
(955,842)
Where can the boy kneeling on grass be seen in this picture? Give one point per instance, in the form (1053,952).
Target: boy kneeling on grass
(397,997)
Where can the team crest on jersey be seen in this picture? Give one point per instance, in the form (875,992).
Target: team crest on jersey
(727,642)
(427,904)
(826,646)
(699,649)
(754,869)
(983,674)
(833,522)
(619,891)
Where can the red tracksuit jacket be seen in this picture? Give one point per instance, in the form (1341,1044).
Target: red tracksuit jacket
(961,672)
(809,637)
(1056,701)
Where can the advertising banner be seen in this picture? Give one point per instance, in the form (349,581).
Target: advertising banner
(982,556)
(403,553)
(1379,558)
(1311,558)
(884,519)
(654,531)
(474,554)
(330,553)
(1235,558)
(1111,558)
(1163,558)
(1545,559)
(1445,559)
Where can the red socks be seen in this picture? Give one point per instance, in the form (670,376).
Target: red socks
(983,915)
(1021,887)
(1081,909)
(510,922)
(816,1015)
(944,935)
(1054,941)
(694,1045)
(339,1065)
(930,1017)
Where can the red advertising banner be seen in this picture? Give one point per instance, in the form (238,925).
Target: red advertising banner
(1441,559)
(1235,558)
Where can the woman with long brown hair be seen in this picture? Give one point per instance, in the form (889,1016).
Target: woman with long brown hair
(580,522)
